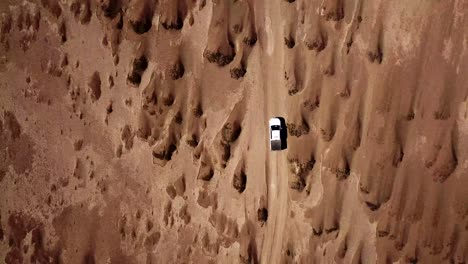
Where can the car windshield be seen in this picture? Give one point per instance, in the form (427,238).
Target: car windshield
(275,127)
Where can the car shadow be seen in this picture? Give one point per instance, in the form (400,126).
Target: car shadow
(284,133)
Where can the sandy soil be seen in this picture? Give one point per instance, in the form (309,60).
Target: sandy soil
(136,131)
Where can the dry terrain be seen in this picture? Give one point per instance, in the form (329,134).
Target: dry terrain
(135,131)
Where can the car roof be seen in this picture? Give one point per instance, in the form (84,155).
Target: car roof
(274,121)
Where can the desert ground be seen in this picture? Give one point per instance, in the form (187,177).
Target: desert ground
(136,131)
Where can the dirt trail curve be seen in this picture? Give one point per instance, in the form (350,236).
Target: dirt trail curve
(277,177)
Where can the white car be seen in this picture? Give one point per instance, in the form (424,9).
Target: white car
(275,134)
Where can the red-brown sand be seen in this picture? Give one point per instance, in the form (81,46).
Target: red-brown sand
(136,131)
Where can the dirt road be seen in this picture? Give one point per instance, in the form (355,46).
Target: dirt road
(277,177)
